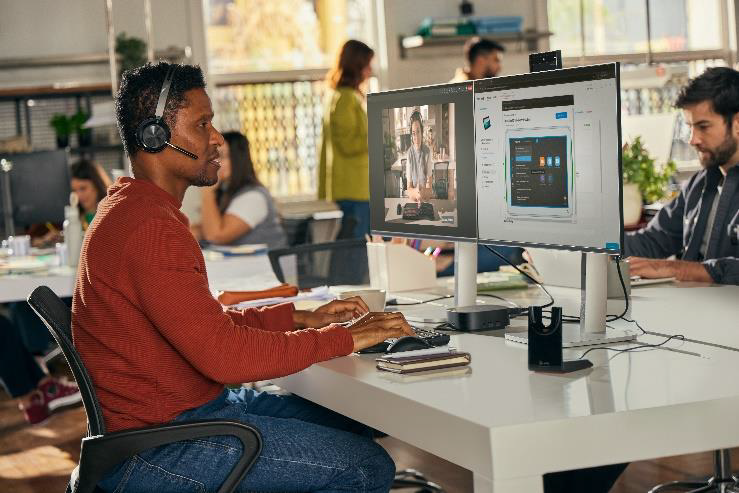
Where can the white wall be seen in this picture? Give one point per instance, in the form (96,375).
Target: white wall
(39,28)
(433,66)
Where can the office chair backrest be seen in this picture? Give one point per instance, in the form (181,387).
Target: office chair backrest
(322,264)
(58,319)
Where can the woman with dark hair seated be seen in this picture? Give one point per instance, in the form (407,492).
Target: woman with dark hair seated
(238,210)
(90,183)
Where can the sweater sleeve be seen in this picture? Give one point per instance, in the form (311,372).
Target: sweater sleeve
(347,133)
(163,258)
(275,317)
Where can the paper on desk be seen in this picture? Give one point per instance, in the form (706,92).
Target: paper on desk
(255,282)
(319,293)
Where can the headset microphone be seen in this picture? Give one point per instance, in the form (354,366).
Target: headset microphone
(153,133)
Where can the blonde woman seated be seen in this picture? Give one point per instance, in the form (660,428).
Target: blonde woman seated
(238,210)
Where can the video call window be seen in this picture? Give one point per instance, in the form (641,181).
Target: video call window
(420,165)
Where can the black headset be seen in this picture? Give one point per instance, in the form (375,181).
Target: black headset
(153,134)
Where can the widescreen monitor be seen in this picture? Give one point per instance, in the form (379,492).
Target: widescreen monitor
(422,162)
(548,152)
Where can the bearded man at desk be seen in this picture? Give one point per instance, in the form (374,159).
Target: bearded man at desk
(700,226)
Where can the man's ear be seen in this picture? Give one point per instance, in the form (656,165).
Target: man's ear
(735,125)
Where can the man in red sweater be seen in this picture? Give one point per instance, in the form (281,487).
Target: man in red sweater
(160,348)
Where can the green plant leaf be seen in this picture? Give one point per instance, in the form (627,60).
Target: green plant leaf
(638,168)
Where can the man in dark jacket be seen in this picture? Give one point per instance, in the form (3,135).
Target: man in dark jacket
(700,227)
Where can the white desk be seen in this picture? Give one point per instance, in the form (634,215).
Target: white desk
(510,426)
(222,274)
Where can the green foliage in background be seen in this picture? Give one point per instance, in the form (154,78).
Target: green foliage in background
(77,120)
(131,50)
(62,124)
(638,168)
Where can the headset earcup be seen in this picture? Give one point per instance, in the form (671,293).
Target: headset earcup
(153,134)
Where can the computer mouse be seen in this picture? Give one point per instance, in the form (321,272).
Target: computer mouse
(407,343)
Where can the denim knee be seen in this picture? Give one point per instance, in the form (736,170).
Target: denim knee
(372,472)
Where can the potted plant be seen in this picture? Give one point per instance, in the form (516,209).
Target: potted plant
(643,182)
(131,50)
(84,135)
(62,126)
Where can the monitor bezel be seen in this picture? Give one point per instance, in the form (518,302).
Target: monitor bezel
(616,67)
(437,234)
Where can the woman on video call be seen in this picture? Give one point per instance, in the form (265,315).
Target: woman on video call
(417,167)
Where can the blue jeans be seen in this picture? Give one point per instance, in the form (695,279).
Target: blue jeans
(356,214)
(306,448)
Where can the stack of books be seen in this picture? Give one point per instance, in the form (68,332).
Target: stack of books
(422,360)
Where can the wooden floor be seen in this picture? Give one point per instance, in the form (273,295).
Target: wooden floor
(38,459)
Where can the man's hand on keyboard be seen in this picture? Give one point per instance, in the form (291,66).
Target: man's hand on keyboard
(376,327)
(336,311)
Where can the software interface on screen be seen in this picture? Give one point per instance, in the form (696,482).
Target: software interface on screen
(422,166)
(547,153)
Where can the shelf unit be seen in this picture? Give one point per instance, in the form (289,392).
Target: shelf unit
(26,110)
(529,40)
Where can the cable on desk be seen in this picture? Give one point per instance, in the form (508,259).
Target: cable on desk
(641,346)
(609,318)
(644,332)
(540,285)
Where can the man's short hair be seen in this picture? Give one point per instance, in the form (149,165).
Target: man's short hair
(719,85)
(476,46)
(139,92)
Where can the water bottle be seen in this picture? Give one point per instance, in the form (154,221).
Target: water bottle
(72,230)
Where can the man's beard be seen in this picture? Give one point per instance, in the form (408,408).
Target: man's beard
(203,180)
(721,154)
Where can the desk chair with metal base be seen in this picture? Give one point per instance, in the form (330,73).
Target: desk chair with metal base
(722,481)
(102,451)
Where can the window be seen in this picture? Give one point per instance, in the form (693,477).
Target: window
(263,36)
(615,27)
(268,59)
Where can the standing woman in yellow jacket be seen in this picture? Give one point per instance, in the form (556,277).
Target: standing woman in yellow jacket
(343,174)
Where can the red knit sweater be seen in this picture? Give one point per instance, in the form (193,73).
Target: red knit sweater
(151,335)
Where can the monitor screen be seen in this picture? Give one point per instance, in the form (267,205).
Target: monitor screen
(39,187)
(421,159)
(548,152)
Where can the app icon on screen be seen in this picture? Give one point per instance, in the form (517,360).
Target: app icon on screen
(486,122)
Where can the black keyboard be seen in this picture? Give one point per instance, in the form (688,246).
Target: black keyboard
(432,337)
(414,212)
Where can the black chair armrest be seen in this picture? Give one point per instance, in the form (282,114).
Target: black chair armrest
(101,453)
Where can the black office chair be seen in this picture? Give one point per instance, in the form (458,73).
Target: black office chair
(322,264)
(722,481)
(100,452)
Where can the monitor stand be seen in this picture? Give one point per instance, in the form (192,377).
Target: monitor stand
(593,298)
(465,274)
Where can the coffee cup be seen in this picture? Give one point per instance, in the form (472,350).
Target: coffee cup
(375,298)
